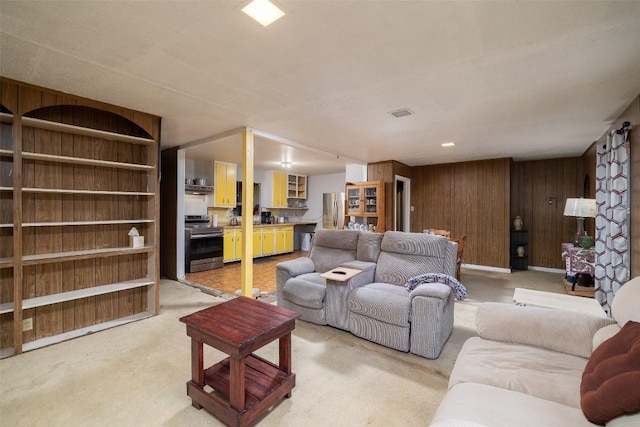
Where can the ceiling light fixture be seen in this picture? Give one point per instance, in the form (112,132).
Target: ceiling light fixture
(448,144)
(286,165)
(263,11)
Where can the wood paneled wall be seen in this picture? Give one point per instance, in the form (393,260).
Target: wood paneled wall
(470,198)
(539,190)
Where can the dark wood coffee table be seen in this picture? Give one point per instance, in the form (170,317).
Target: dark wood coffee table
(244,385)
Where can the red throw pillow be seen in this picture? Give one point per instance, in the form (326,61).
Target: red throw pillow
(611,380)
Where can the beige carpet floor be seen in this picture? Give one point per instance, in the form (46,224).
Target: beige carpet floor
(135,375)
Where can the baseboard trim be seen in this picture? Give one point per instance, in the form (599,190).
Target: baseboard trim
(486,268)
(508,270)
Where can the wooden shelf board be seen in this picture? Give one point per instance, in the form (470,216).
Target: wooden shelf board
(6,352)
(68,191)
(6,307)
(86,254)
(6,188)
(578,290)
(79,130)
(85,161)
(68,223)
(6,262)
(6,225)
(43,342)
(84,293)
(6,118)
(6,153)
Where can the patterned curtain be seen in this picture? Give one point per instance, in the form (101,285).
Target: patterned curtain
(612,267)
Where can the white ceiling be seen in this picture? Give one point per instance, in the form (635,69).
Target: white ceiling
(528,80)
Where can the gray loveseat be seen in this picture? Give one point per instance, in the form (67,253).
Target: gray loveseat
(375,304)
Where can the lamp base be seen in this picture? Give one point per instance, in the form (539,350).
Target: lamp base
(579,233)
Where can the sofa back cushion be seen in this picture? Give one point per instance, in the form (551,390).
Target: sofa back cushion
(626,302)
(369,246)
(332,248)
(404,255)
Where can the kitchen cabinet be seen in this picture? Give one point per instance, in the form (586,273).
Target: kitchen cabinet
(365,201)
(75,176)
(296,186)
(284,238)
(263,242)
(224,188)
(279,190)
(232,242)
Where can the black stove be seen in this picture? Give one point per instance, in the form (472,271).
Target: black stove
(204,244)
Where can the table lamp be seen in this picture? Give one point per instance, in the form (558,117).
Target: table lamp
(580,208)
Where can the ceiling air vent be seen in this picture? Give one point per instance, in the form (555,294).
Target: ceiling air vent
(401,113)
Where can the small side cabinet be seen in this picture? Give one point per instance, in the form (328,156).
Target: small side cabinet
(519,250)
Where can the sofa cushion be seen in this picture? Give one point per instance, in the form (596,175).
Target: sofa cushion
(497,407)
(304,293)
(611,381)
(532,370)
(383,302)
(332,248)
(369,246)
(626,302)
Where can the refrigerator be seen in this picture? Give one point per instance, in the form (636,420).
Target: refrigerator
(333,210)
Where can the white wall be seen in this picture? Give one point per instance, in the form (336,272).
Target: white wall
(318,185)
(356,173)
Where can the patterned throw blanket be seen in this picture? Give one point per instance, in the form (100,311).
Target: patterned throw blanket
(459,291)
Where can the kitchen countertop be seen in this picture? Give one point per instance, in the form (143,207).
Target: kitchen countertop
(238,227)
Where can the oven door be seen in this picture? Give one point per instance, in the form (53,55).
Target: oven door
(203,251)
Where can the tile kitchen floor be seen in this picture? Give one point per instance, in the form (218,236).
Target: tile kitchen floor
(227,278)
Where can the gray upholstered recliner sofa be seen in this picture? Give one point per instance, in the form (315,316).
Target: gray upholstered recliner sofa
(375,304)
(384,311)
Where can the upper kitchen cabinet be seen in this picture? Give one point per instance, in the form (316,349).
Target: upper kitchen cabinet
(297,186)
(275,184)
(225,185)
(365,203)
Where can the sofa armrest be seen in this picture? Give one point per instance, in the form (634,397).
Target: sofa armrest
(297,266)
(431,290)
(558,330)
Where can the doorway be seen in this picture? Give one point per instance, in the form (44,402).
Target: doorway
(402,204)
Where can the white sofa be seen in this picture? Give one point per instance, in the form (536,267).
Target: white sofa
(526,367)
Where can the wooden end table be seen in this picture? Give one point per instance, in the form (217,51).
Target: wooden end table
(337,294)
(244,385)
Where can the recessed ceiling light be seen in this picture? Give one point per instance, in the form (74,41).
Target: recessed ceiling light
(263,11)
(401,113)
(448,144)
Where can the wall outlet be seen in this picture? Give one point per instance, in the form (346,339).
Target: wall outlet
(27,324)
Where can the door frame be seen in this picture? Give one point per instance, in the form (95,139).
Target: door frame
(407,203)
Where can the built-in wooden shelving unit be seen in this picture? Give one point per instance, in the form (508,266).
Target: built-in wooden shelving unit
(75,176)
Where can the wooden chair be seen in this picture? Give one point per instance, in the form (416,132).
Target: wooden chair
(461,242)
(445,233)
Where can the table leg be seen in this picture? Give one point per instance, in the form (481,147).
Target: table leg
(197,366)
(285,355)
(236,382)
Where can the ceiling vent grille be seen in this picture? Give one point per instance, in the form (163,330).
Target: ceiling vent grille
(401,113)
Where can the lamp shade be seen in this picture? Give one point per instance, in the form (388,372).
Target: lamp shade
(581,208)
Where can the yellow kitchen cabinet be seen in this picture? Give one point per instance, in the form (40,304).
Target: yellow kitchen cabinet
(268,241)
(279,190)
(232,245)
(263,242)
(224,184)
(284,239)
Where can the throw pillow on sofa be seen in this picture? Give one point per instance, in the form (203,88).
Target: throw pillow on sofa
(611,380)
